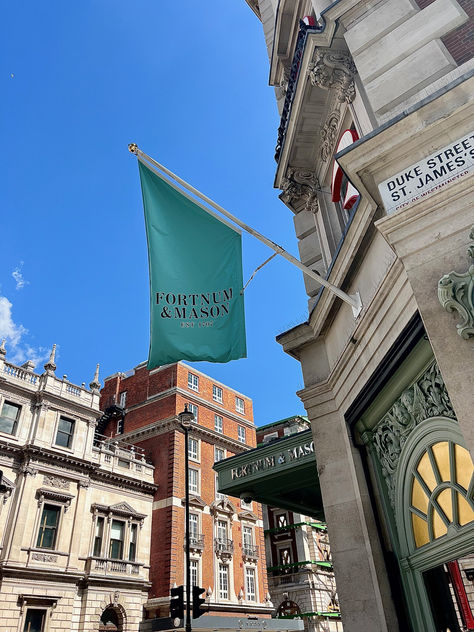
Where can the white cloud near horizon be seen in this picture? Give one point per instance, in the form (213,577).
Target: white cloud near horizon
(17,274)
(18,351)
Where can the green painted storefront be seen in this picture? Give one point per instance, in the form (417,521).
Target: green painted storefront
(282,474)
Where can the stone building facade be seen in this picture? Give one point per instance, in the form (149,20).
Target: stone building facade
(227,542)
(375,162)
(299,563)
(75,512)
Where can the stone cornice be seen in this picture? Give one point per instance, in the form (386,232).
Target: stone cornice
(172,423)
(299,190)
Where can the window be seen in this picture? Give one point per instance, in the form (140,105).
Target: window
(193,382)
(193,526)
(34,620)
(281,520)
(218,424)
(250,584)
(217,393)
(194,568)
(239,405)
(9,417)
(193,449)
(284,556)
(219,454)
(132,548)
(247,537)
(65,432)
(241,434)
(123,399)
(48,530)
(194,481)
(219,496)
(120,425)
(222,530)
(223,581)
(193,409)
(117,531)
(98,537)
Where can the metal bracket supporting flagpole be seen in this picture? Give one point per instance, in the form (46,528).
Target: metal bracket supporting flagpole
(353,300)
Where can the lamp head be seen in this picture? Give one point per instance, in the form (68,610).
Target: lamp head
(186,417)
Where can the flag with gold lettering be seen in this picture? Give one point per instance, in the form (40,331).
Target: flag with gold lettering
(195,263)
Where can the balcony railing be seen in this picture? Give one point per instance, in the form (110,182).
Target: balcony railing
(20,373)
(250,551)
(196,541)
(223,546)
(108,567)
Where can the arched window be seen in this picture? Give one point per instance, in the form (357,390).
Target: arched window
(110,621)
(441,491)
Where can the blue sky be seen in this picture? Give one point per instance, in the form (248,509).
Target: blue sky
(188,82)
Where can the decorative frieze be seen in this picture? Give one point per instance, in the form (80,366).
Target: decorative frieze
(426,398)
(56,481)
(299,189)
(45,557)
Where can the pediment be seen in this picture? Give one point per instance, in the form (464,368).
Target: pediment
(123,507)
(248,515)
(8,483)
(224,506)
(195,501)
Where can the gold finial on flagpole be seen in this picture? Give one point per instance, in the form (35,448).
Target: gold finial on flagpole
(133,148)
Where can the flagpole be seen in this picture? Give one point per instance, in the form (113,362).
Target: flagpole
(351,299)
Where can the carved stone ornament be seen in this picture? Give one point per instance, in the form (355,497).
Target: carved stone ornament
(456,294)
(329,133)
(56,481)
(45,557)
(28,469)
(334,70)
(426,398)
(300,187)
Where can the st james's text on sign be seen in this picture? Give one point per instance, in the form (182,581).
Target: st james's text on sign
(428,175)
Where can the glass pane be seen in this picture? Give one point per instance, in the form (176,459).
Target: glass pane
(116,548)
(66,425)
(441,454)
(463,466)
(34,620)
(466,514)
(439,528)
(426,471)
(445,502)
(10,410)
(50,516)
(116,530)
(420,530)
(7,425)
(62,439)
(418,497)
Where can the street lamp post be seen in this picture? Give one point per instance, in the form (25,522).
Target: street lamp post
(185,419)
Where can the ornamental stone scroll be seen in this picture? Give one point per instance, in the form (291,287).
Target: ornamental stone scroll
(456,294)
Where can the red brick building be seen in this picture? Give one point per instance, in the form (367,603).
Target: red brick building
(227,546)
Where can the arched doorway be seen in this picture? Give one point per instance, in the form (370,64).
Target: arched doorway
(435,522)
(111,620)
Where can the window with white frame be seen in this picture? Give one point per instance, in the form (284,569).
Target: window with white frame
(193,481)
(193,448)
(193,409)
(193,382)
(250,592)
(219,454)
(247,537)
(223,581)
(218,424)
(217,393)
(193,526)
(241,434)
(120,540)
(239,405)
(9,417)
(123,399)
(222,531)
(219,496)
(281,519)
(194,572)
(65,433)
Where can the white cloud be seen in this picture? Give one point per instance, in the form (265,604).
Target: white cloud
(17,274)
(8,328)
(18,351)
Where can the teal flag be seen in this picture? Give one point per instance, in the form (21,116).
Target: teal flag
(195,260)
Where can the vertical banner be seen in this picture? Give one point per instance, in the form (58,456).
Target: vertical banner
(195,262)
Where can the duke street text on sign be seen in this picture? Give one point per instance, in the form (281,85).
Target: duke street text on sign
(429,175)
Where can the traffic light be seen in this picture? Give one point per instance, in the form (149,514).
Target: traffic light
(198,601)
(177,603)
